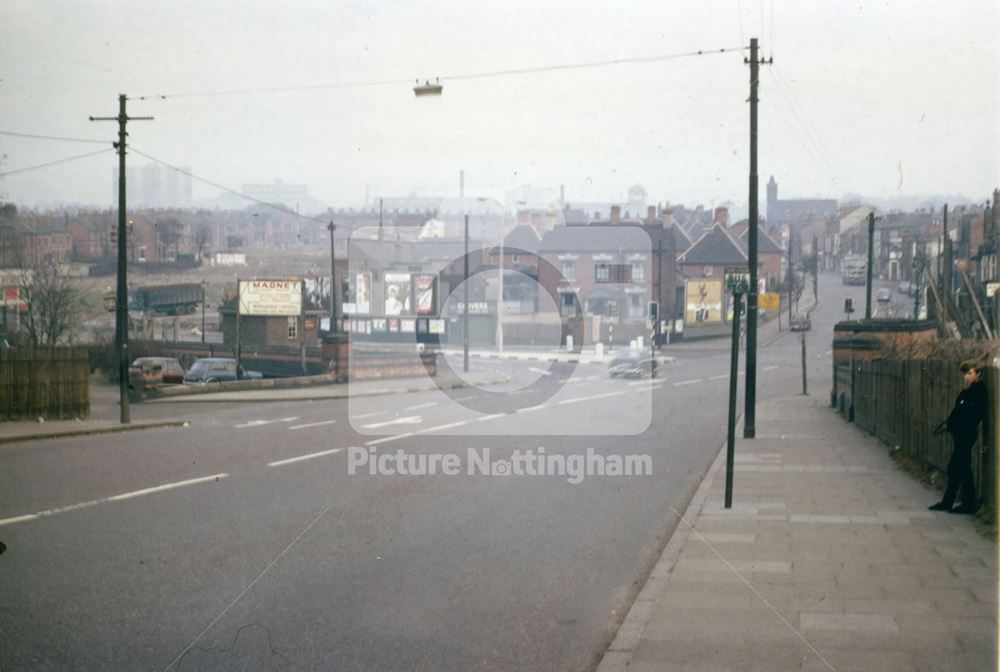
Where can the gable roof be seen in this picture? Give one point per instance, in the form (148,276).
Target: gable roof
(765,243)
(715,247)
(522,238)
(601,239)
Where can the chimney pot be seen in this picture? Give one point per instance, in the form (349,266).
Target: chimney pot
(616,214)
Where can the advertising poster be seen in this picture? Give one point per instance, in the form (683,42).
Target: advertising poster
(379,325)
(318,293)
(270,297)
(436,326)
(408,326)
(703,302)
(363,294)
(396,294)
(424,292)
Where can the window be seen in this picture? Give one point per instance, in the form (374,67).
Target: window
(611,308)
(568,268)
(636,305)
(293,328)
(567,306)
(708,272)
(638,271)
(142,253)
(602,272)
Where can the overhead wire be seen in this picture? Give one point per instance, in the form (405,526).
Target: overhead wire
(54,163)
(458,76)
(786,92)
(52,137)
(265,204)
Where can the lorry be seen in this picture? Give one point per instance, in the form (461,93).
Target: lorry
(854,270)
(179,299)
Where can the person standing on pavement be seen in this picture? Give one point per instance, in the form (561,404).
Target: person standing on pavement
(963,425)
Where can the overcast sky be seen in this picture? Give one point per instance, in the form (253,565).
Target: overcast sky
(873,98)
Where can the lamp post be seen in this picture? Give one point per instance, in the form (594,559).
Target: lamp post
(203,310)
(332,228)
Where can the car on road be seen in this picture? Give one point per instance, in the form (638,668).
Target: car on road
(622,363)
(218,370)
(155,371)
(905,288)
(640,369)
(883,295)
(800,322)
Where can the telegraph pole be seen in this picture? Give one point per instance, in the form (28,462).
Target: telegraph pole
(333,279)
(121,292)
(871,260)
(749,415)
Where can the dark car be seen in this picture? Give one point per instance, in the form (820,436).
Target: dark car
(800,322)
(155,371)
(640,369)
(217,370)
(621,363)
(883,295)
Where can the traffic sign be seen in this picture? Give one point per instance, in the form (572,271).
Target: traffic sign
(737,280)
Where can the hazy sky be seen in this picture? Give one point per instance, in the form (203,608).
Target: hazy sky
(876,98)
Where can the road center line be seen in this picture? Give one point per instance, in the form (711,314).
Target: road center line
(310,456)
(725,375)
(491,417)
(448,426)
(384,439)
(313,424)
(368,415)
(688,382)
(261,423)
(529,409)
(419,406)
(113,498)
(768,368)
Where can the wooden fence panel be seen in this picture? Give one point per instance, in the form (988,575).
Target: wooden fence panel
(53,383)
(901,402)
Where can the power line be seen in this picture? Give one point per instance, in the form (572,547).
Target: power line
(470,75)
(52,137)
(264,204)
(809,133)
(53,163)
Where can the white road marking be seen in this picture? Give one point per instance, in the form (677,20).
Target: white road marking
(638,382)
(113,498)
(725,375)
(448,426)
(406,420)
(608,394)
(490,417)
(310,456)
(529,409)
(313,424)
(541,371)
(768,368)
(592,378)
(688,382)
(574,400)
(474,396)
(368,415)
(388,438)
(260,423)
(419,406)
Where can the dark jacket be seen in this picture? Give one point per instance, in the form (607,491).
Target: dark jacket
(969,411)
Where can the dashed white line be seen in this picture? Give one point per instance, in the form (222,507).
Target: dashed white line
(474,396)
(419,406)
(113,498)
(368,415)
(768,368)
(534,369)
(688,382)
(723,376)
(490,417)
(440,427)
(574,400)
(529,409)
(280,463)
(394,437)
(313,424)
(407,420)
(261,423)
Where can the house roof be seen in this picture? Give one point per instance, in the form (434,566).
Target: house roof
(715,247)
(600,239)
(523,238)
(765,244)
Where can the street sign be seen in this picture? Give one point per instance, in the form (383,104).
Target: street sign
(737,280)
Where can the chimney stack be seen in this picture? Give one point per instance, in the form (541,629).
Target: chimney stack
(722,216)
(616,214)
(651,214)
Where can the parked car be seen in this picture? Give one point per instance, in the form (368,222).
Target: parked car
(800,322)
(217,370)
(905,287)
(155,371)
(883,295)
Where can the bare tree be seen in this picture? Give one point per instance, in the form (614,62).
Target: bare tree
(168,234)
(202,235)
(53,303)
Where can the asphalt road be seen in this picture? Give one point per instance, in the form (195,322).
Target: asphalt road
(242,542)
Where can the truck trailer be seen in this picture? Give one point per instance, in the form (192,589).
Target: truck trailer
(179,299)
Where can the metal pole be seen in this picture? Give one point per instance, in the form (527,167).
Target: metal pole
(503,227)
(734,363)
(659,287)
(239,349)
(465,303)
(203,310)
(871,255)
(333,279)
(803,335)
(121,306)
(791,277)
(749,416)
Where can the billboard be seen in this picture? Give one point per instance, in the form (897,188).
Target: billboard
(423,286)
(270,297)
(396,292)
(318,293)
(703,302)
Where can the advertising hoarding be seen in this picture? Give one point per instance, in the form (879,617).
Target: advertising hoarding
(703,302)
(270,297)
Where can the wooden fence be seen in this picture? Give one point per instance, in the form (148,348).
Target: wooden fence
(52,383)
(902,401)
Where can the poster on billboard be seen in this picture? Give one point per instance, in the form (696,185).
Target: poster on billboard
(318,293)
(423,289)
(396,289)
(363,293)
(270,297)
(703,302)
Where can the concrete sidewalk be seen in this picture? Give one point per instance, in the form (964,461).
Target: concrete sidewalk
(828,560)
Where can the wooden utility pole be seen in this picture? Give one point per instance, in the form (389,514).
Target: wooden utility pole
(749,415)
(121,290)
(871,261)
